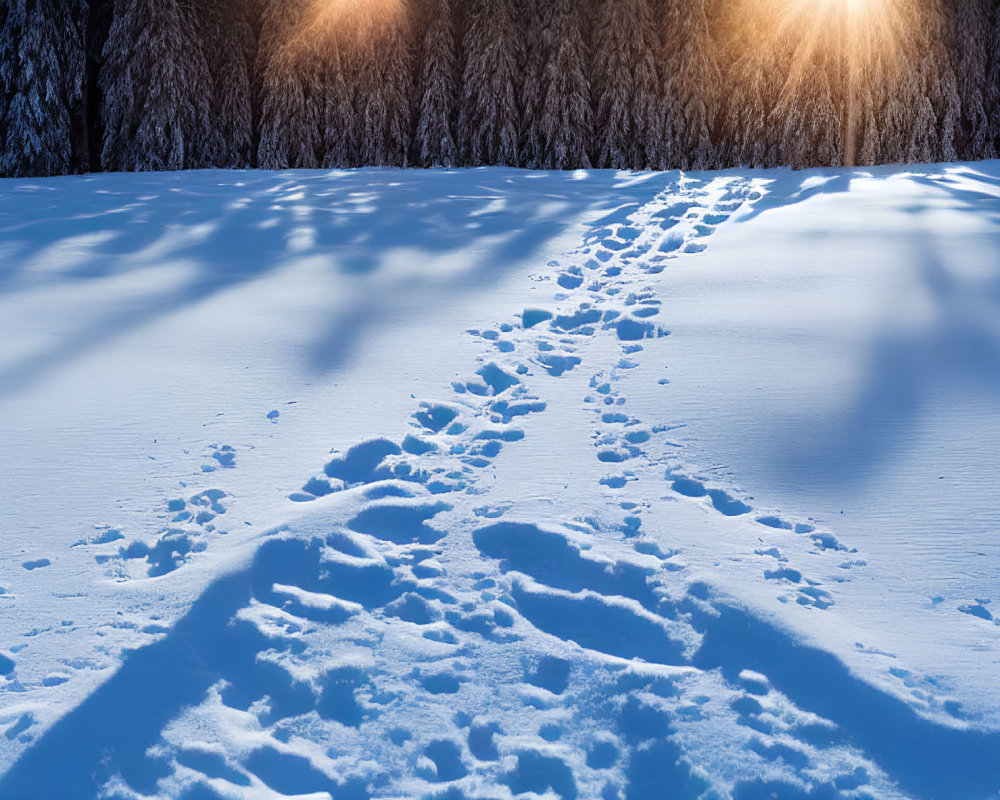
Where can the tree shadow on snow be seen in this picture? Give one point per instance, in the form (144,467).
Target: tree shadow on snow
(109,734)
(112,732)
(952,351)
(227,229)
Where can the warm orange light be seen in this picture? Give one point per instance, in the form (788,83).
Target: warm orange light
(844,50)
(334,29)
(355,14)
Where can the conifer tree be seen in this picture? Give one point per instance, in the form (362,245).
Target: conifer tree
(691,76)
(812,125)
(489,116)
(385,87)
(940,84)
(228,31)
(156,88)
(991,97)
(536,17)
(42,81)
(435,138)
(752,128)
(291,89)
(868,153)
(564,111)
(969,34)
(925,143)
(625,87)
(340,132)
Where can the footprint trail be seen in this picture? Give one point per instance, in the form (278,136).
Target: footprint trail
(415,632)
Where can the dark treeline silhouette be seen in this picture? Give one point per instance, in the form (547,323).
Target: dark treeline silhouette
(123,85)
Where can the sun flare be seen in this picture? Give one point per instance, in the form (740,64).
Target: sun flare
(324,29)
(842,54)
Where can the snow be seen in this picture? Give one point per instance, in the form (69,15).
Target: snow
(492,483)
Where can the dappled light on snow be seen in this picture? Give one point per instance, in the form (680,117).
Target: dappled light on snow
(472,484)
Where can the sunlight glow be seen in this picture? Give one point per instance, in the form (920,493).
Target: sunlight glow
(335,29)
(848,51)
(348,20)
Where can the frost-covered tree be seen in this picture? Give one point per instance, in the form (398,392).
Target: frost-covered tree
(42,82)
(812,122)
(340,130)
(625,87)
(869,146)
(292,99)
(384,84)
(229,35)
(562,114)
(969,27)
(925,142)
(991,98)
(535,17)
(156,88)
(365,83)
(940,84)
(691,76)
(755,80)
(489,115)
(438,108)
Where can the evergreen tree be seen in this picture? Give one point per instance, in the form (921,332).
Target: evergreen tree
(228,31)
(812,124)
(156,89)
(340,132)
(940,84)
(291,89)
(435,138)
(925,143)
(752,125)
(969,22)
(42,82)
(691,76)
(991,97)
(625,86)
(489,115)
(564,113)
(384,90)
(868,153)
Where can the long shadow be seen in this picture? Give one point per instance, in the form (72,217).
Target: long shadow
(231,228)
(906,366)
(110,732)
(931,761)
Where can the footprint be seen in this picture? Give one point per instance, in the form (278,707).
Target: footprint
(363,463)
(445,757)
(6,665)
(531,317)
(540,774)
(978,610)
(722,501)
(224,456)
(400,524)
(435,416)
(557,366)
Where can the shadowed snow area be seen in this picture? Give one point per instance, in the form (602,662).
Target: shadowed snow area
(490,484)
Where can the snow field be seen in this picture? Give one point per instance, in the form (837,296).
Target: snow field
(479,601)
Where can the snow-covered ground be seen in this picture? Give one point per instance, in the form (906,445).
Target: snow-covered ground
(490,483)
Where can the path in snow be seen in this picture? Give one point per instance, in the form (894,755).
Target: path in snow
(429,624)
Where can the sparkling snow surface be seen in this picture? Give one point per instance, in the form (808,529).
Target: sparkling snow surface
(493,484)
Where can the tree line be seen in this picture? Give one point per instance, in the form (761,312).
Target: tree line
(130,85)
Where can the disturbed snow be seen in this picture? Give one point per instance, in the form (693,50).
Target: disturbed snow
(640,485)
